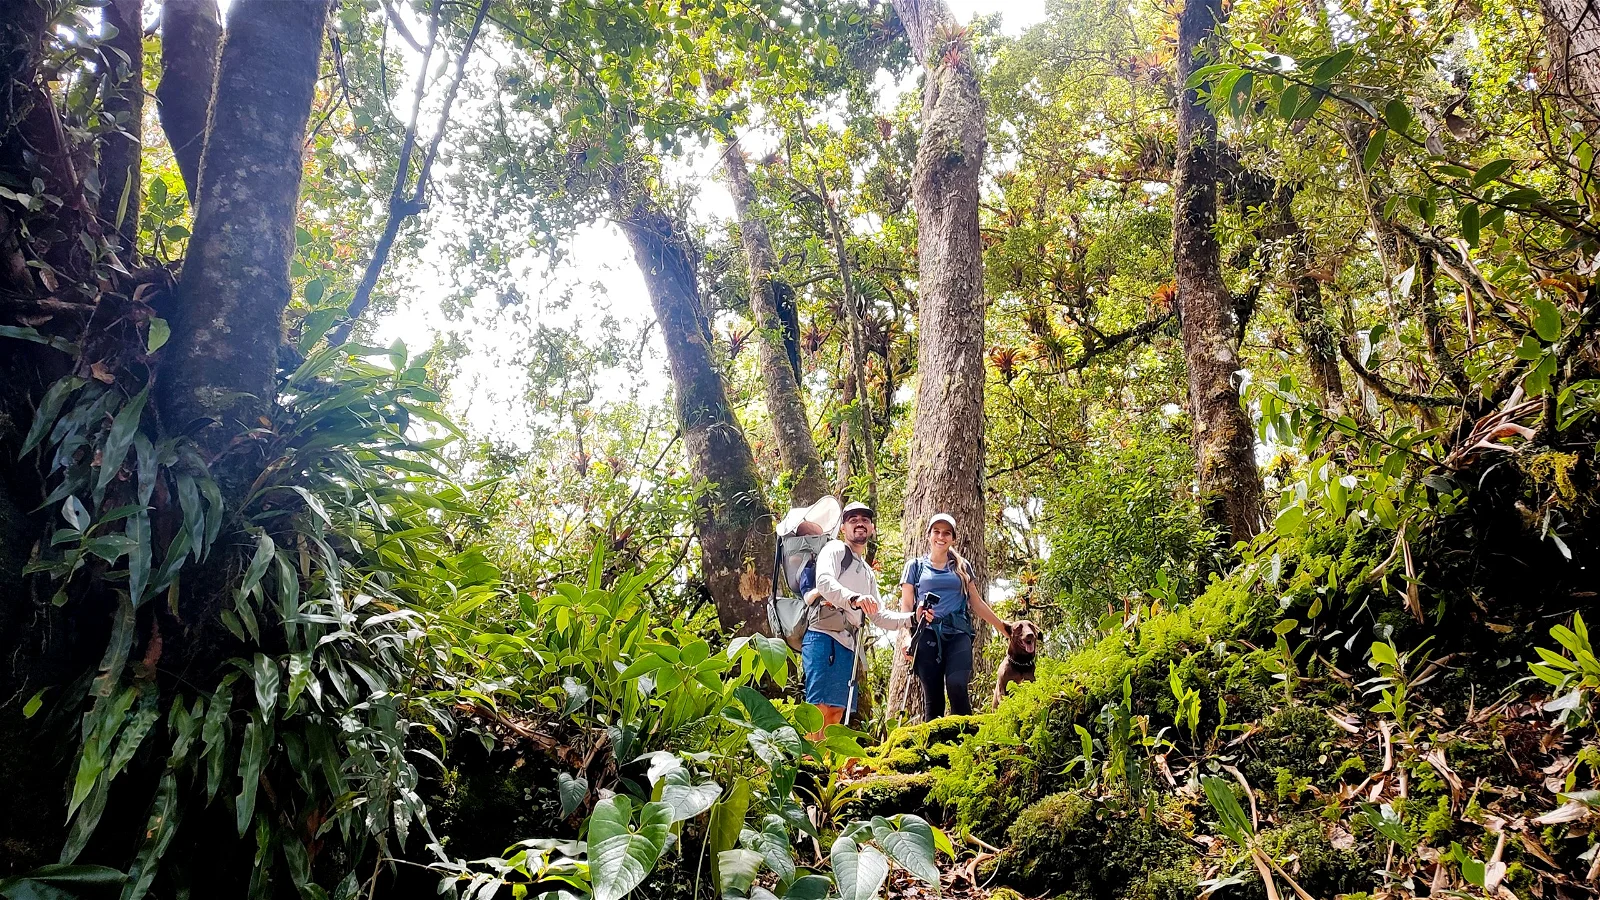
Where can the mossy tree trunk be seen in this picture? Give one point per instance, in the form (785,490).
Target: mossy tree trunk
(219,377)
(946,466)
(785,402)
(1224,443)
(219,366)
(1572,32)
(734,526)
(121,150)
(191,40)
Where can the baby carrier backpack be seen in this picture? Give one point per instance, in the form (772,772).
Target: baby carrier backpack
(801,536)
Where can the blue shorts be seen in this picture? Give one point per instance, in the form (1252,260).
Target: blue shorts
(827,665)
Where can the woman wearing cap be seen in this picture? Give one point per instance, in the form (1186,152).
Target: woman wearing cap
(944,582)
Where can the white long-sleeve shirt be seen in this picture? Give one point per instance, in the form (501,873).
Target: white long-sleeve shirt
(840,583)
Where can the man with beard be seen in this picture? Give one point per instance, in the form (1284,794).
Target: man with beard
(846,595)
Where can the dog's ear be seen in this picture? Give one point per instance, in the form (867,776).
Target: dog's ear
(1007,627)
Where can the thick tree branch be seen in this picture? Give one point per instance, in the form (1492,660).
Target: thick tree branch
(1384,389)
(401,206)
(191,41)
(1105,344)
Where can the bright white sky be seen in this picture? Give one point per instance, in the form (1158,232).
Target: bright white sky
(600,271)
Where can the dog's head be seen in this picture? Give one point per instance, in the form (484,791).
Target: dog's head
(1024,638)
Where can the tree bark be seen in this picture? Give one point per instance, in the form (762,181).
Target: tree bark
(1230,486)
(844,448)
(946,467)
(1311,317)
(219,377)
(862,423)
(191,41)
(1572,32)
(124,103)
(734,524)
(785,403)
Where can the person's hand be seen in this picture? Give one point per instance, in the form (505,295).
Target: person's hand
(927,614)
(867,605)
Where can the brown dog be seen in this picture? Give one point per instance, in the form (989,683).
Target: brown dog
(1021,650)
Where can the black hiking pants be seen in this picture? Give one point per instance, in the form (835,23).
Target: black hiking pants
(944,664)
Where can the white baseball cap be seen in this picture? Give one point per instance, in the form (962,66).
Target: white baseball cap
(945,518)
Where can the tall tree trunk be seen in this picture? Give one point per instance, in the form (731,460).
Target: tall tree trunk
(861,425)
(1230,486)
(191,41)
(120,154)
(735,524)
(1425,290)
(228,323)
(1572,32)
(1311,318)
(843,453)
(785,403)
(946,465)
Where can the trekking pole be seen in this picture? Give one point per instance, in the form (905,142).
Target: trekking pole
(855,666)
(916,642)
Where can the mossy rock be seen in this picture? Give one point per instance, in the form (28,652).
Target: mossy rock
(1297,739)
(926,734)
(1319,867)
(890,795)
(1070,845)
(912,760)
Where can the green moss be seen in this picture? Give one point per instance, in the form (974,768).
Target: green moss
(1297,740)
(1071,845)
(889,795)
(926,734)
(1319,867)
(1018,751)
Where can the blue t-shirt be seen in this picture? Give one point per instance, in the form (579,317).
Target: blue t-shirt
(923,575)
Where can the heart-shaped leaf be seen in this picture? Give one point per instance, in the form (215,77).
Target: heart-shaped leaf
(736,872)
(911,845)
(620,855)
(573,792)
(686,798)
(858,871)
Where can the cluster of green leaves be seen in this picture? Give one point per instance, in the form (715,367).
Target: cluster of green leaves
(333,663)
(749,827)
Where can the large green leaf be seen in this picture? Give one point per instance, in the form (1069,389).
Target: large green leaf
(58,882)
(763,714)
(686,798)
(123,427)
(727,819)
(858,871)
(910,843)
(158,831)
(736,872)
(620,856)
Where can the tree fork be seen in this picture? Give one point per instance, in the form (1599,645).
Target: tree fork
(734,525)
(1230,485)
(785,402)
(219,378)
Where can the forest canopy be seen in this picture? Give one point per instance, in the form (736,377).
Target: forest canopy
(402,401)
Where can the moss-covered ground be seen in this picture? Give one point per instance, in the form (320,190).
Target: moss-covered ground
(1089,781)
